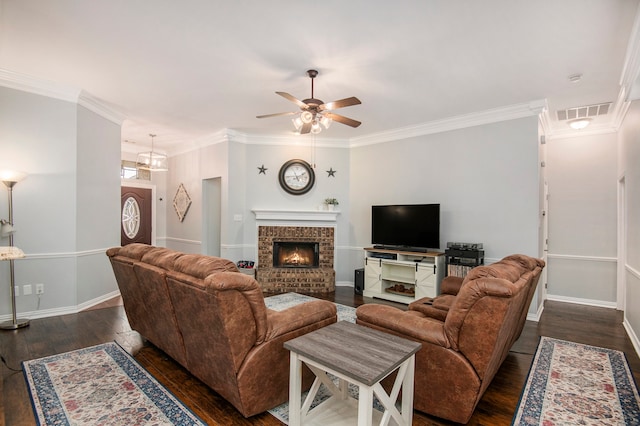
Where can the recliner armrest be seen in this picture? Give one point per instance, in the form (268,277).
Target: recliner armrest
(427,306)
(451,285)
(299,316)
(409,324)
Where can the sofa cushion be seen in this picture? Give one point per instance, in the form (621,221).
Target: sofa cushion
(509,271)
(201,266)
(526,262)
(250,290)
(161,257)
(133,252)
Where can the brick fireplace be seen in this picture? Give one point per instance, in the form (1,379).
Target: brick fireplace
(295,252)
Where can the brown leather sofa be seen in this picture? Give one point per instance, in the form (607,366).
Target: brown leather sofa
(466,333)
(212,320)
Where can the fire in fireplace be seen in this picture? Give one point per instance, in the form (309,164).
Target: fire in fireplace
(295,254)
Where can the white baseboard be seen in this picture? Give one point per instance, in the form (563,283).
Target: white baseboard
(98,300)
(66,310)
(632,335)
(535,317)
(576,300)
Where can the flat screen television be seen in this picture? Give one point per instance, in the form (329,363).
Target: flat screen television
(414,227)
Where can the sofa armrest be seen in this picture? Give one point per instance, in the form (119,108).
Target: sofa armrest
(299,316)
(427,308)
(407,323)
(451,285)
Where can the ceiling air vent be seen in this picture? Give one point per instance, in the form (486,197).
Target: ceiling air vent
(583,112)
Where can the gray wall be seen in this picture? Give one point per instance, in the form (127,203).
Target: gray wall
(582,176)
(629,168)
(485,179)
(67,210)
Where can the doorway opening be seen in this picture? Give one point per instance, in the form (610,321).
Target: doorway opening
(211,216)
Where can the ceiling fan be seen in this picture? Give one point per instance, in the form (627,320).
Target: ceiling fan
(314,112)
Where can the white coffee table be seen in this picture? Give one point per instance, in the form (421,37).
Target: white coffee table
(358,355)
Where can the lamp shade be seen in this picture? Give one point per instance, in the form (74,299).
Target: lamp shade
(11,177)
(10,253)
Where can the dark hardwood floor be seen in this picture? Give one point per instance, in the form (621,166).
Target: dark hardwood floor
(583,324)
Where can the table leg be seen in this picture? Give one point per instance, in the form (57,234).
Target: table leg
(407,391)
(365,406)
(343,385)
(295,389)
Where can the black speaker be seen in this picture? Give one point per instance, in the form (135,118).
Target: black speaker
(358,283)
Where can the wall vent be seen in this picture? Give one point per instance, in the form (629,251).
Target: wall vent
(584,111)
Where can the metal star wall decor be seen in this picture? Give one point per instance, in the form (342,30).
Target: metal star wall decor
(262,170)
(331,172)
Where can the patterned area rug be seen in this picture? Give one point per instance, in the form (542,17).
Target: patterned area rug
(574,384)
(101,385)
(287,300)
(345,313)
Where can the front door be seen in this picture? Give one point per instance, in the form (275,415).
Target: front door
(135,224)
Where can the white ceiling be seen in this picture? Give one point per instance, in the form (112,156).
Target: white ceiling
(188,69)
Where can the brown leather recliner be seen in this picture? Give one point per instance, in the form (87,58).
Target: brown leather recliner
(465,336)
(212,320)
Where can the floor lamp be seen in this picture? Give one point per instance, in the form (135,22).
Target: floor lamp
(11,253)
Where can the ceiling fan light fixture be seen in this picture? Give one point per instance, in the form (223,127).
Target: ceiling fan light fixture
(326,121)
(579,123)
(306,117)
(297,122)
(311,118)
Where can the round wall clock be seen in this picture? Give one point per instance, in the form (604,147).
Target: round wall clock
(296,177)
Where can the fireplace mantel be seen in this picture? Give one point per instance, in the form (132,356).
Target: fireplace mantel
(296,215)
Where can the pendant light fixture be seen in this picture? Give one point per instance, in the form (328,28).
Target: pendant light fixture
(152,160)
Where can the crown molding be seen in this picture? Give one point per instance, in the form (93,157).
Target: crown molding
(182,147)
(631,69)
(572,133)
(295,140)
(545,122)
(454,123)
(495,115)
(94,104)
(26,83)
(50,89)
(621,107)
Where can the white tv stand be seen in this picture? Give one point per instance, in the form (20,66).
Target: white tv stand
(402,276)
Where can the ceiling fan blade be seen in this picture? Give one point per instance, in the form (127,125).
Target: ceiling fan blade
(340,104)
(293,99)
(342,119)
(278,114)
(306,128)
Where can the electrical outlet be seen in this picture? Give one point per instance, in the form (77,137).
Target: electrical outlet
(26,289)
(39,288)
